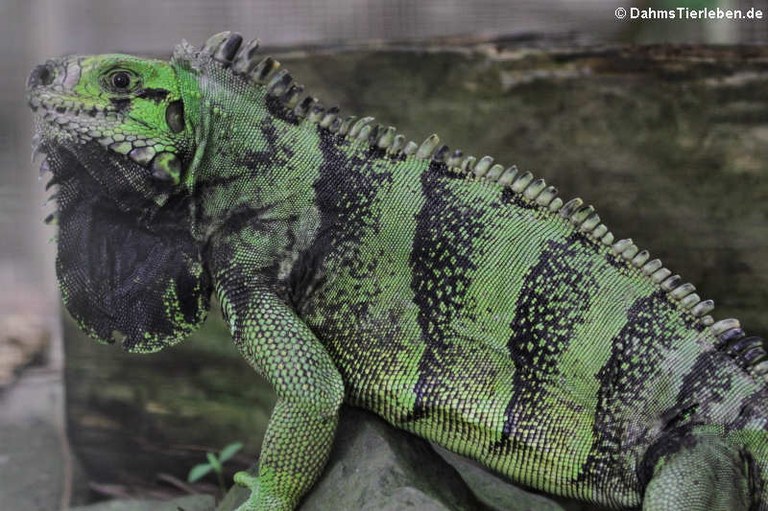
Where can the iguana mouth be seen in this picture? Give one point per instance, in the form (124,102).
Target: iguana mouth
(65,119)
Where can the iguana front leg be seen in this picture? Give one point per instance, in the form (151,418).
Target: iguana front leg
(309,388)
(706,474)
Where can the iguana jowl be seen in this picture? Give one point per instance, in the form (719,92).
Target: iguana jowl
(458,299)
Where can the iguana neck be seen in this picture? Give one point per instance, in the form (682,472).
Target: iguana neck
(255,173)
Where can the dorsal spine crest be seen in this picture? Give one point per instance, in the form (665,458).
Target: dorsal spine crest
(243,60)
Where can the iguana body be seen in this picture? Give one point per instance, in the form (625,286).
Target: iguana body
(460,300)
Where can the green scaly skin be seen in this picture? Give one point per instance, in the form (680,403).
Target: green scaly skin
(459,300)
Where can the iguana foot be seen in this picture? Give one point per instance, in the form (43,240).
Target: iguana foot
(260,499)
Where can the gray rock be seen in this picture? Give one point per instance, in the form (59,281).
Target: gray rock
(375,467)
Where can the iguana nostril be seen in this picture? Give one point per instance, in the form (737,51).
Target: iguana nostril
(41,75)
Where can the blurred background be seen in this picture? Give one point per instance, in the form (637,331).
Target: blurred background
(32,30)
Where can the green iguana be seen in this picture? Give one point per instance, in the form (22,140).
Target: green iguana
(460,300)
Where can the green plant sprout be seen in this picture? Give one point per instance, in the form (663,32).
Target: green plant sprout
(215,464)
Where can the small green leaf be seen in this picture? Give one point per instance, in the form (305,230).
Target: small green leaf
(229,451)
(214,461)
(198,472)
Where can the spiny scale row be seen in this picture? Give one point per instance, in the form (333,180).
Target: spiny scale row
(243,60)
(227,48)
(582,216)
(748,351)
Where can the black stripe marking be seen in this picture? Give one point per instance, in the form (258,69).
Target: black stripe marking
(278,109)
(509,196)
(345,191)
(553,300)
(156,95)
(122,105)
(252,172)
(448,231)
(671,443)
(616,261)
(364,343)
(440,168)
(706,385)
(635,360)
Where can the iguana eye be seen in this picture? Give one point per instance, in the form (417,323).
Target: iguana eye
(121,80)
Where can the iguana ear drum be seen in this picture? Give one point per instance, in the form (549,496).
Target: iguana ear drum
(174,116)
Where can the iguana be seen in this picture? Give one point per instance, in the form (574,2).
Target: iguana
(461,300)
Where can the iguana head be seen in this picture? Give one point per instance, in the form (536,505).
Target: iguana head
(117,141)
(121,117)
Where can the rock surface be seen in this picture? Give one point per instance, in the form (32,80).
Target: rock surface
(374,467)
